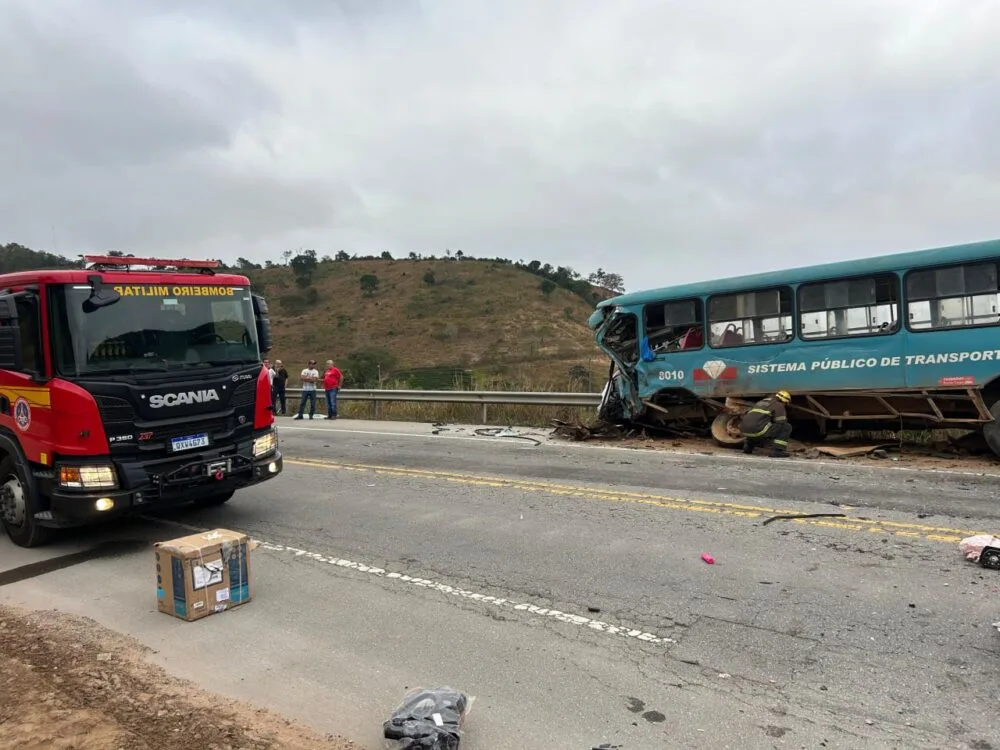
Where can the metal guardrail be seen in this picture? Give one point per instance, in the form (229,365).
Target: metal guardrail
(485,398)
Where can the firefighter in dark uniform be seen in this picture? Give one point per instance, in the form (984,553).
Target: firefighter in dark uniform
(766,422)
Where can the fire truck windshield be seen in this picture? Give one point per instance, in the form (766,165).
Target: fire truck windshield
(151,328)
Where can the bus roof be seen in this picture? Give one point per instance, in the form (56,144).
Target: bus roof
(882,263)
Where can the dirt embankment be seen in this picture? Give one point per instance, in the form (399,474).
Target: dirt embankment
(66,683)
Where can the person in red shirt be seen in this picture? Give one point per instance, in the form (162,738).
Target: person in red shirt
(331,383)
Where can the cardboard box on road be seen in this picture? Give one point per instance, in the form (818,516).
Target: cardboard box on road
(201,574)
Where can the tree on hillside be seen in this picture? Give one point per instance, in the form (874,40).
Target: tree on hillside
(613,282)
(369,284)
(386,255)
(429,278)
(547,286)
(246,265)
(341,255)
(15,257)
(304,263)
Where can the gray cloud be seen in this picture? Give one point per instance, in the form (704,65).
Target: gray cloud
(669,141)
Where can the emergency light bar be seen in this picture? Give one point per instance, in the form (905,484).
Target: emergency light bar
(205,266)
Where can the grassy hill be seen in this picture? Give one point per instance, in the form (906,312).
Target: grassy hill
(421,322)
(433,323)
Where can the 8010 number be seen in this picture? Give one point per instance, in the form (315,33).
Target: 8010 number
(671,375)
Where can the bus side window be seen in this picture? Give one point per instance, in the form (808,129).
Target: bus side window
(953,297)
(751,318)
(849,307)
(673,326)
(29,321)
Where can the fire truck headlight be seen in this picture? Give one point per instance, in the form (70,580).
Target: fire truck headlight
(87,477)
(265,444)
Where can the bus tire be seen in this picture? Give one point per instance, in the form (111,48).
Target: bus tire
(611,408)
(726,430)
(17,507)
(991,430)
(214,500)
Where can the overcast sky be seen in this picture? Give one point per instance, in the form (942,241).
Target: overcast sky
(668,140)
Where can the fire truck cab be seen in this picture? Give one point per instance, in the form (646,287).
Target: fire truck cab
(127,386)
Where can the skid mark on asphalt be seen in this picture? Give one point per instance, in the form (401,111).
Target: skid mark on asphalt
(691,505)
(523,607)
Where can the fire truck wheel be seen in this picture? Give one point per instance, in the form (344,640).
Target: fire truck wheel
(211,502)
(17,508)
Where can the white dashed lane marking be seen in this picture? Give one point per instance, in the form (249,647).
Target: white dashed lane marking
(524,607)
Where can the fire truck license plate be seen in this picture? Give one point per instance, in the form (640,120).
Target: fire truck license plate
(188,442)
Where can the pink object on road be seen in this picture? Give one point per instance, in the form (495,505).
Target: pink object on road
(708,558)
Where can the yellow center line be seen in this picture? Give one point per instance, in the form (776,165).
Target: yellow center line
(693,505)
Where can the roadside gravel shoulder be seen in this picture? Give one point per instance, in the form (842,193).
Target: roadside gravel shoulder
(67,683)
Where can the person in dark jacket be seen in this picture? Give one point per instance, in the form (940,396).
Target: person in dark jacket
(766,422)
(278,386)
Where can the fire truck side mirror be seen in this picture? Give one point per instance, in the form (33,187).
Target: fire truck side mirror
(263,323)
(11,356)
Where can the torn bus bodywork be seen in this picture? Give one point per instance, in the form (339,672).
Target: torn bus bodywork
(626,398)
(709,391)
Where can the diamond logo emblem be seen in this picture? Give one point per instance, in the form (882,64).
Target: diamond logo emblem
(714,368)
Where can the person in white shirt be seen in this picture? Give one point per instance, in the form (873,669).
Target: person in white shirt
(309,377)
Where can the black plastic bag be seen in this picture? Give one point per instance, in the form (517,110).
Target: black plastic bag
(428,720)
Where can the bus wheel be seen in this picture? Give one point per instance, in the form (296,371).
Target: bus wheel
(611,408)
(214,500)
(991,430)
(726,430)
(16,509)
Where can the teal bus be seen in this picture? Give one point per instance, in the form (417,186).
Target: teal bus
(902,341)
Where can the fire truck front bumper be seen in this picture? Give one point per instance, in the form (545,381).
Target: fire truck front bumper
(143,488)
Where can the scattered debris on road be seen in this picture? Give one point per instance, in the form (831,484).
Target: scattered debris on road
(983,549)
(506,432)
(589,432)
(429,719)
(201,574)
(853,450)
(942,447)
(67,682)
(793,516)
(708,558)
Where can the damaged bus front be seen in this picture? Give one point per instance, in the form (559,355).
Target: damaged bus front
(635,394)
(617,333)
(905,341)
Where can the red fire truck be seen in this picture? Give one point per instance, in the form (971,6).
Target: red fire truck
(126,386)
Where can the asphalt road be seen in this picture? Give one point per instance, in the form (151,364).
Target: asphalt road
(564,587)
